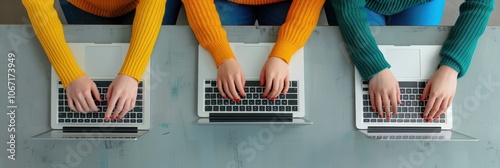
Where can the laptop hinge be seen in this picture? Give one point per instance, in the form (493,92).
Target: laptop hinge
(250,117)
(404,129)
(100,129)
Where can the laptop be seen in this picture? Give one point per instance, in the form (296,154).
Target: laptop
(253,109)
(101,62)
(412,66)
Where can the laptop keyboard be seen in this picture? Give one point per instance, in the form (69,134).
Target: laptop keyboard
(253,102)
(410,111)
(66,115)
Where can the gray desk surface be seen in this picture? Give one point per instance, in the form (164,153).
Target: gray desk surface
(173,141)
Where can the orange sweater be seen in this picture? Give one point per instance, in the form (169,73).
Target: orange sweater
(301,20)
(145,29)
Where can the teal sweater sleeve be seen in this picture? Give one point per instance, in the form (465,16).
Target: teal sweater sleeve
(459,47)
(456,52)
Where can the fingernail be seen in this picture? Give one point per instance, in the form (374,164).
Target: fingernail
(119,118)
(429,119)
(223,97)
(106,119)
(232,99)
(425,116)
(380,116)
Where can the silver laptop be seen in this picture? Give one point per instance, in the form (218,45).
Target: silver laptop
(412,66)
(253,109)
(101,62)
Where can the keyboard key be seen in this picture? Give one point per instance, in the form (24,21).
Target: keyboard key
(408,91)
(268,108)
(292,102)
(405,97)
(294,83)
(222,108)
(62,115)
(255,108)
(216,108)
(213,84)
(133,120)
(61,120)
(415,91)
(208,90)
(408,103)
(69,115)
(295,108)
(277,102)
(366,120)
(126,120)
(402,91)
(259,90)
(292,90)
(80,120)
(262,108)
(242,108)
(270,102)
(407,115)
(208,108)
(235,108)
(93,120)
(408,84)
(255,96)
(365,89)
(132,115)
(207,96)
(275,108)
(207,102)
(281,108)
(229,108)
(87,120)
(367,115)
(251,102)
(252,83)
(213,102)
(414,103)
(291,96)
(410,109)
(139,120)
(74,120)
(245,102)
(252,90)
(412,97)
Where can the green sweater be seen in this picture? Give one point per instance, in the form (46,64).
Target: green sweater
(456,52)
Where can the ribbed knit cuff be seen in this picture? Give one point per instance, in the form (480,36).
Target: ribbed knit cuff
(451,63)
(220,51)
(369,66)
(284,50)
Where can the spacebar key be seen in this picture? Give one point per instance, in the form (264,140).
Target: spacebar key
(252,83)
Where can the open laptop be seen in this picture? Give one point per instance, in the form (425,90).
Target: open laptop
(253,109)
(412,66)
(101,62)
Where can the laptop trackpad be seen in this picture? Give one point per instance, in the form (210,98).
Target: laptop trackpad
(103,61)
(246,57)
(405,63)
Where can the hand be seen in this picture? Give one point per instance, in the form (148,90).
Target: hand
(441,90)
(384,92)
(79,94)
(121,96)
(275,74)
(230,78)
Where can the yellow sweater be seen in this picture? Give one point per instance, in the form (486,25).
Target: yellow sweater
(301,20)
(145,29)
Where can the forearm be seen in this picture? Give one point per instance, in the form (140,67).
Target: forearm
(358,37)
(301,20)
(205,23)
(145,30)
(459,47)
(49,31)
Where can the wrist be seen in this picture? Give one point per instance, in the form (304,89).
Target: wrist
(448,70)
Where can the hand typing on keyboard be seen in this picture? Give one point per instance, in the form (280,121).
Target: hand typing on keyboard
(384,92)
(276,76)
(121,97)
(441,90)
(79,95)
(231,80)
